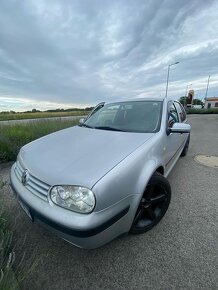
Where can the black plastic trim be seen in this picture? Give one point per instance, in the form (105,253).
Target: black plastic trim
(78,233)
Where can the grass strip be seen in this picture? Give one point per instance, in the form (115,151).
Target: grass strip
(202,111)
(38,115)
(13,137)
(8,280)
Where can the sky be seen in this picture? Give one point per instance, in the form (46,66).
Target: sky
(68,53)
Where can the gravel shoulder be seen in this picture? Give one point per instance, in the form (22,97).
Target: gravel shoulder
(179,253)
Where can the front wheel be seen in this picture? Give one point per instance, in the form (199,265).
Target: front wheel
(153,205)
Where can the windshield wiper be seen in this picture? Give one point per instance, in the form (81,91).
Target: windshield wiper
(87,126)
(108,128)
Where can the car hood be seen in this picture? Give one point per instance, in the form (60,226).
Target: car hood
(78,155)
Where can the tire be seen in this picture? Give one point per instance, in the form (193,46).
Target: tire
(153,205)
(185,149)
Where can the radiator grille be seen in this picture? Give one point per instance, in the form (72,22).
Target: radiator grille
(33,184)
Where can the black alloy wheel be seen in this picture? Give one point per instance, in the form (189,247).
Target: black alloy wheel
(153,205)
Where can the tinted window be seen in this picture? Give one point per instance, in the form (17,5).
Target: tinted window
(180,111)
(172,115)
(132,116)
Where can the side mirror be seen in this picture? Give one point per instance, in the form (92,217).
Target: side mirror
(180,128)
(81,121)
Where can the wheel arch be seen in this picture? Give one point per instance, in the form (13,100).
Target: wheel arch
(148,171)
(160,170)
(155,180)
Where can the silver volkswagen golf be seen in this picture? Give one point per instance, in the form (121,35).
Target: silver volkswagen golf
(107,176)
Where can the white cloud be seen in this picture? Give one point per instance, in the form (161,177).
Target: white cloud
(24,104)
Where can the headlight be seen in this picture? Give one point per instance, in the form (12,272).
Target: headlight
(76,198)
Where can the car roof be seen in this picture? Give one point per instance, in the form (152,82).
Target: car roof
(156,99)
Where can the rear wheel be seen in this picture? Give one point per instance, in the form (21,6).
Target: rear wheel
(153,205)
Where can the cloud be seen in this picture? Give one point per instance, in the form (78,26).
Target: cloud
(25,104)
(83,52)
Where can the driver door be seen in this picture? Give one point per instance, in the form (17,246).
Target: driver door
(173,140)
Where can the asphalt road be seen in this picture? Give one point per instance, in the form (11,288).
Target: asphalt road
(181,252)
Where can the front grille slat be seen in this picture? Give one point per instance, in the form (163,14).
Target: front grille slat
(37,182)
(19,167)
(18,174)
(34,185)
(19,170)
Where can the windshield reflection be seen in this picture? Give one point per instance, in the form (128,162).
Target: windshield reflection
(132,116)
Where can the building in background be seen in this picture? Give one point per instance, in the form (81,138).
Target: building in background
(211,103)
(190,98)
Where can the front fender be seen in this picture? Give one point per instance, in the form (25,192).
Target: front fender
(145,175)
(129,177)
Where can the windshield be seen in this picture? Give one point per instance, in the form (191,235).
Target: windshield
(132,116)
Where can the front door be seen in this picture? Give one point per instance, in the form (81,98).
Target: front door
(173,140)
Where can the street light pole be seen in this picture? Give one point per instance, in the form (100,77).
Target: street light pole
(208,81)
(168,75)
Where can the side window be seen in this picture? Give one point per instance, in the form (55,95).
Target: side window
(184,112)
(172,115)
(180,111)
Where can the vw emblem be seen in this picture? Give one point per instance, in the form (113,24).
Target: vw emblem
(25,177)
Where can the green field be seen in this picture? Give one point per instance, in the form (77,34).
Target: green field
(13,137)
(37,115)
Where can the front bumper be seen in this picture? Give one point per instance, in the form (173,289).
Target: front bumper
(83,230)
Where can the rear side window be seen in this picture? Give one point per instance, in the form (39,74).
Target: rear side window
(180,111)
